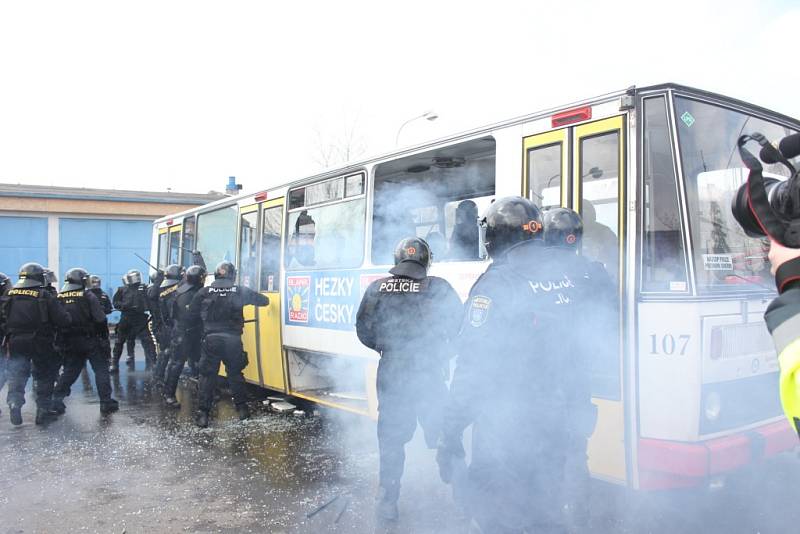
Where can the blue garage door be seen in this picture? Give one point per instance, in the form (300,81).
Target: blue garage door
(24,239)
(105,248)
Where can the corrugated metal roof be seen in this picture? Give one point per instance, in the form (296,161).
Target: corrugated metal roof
(109,195)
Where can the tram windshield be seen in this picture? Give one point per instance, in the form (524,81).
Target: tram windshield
(725,258)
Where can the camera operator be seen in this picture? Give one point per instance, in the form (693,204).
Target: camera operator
(767,207)
(783,321)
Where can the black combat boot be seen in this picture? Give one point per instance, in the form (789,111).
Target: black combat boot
(16,414)
(244,411)
(44,415)
(58,407)
(171,402)
(386,509)
(201,419)
(108,406)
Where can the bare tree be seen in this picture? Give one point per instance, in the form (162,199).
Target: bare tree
(339,144)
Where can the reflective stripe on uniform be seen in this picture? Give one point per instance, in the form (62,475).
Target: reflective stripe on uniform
(786,333)
(789,360)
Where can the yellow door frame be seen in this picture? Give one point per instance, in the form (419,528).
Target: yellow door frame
(607,448)
(250,342)
(270,321)
(553,137)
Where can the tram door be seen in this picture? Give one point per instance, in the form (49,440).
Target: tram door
(582,167)
(248,277)
(273,371)
(259,270)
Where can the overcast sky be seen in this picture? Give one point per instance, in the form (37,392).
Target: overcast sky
(182,94)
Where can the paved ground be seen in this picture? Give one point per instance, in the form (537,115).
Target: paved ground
(149,469)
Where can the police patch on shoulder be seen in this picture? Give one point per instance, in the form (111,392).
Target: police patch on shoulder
(479,310)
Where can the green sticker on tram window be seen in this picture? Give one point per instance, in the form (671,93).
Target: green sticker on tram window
(687,119)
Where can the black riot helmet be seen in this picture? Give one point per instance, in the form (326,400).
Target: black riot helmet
(509,221)
(195,276)
(30,275)
(133,277)
(563,227)
(5,283)
(75,278)
(50,278)
(172,275)
(225,271)
(412,258)
(95,282)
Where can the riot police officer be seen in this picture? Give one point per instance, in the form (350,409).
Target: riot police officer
(131,300)
(219,306)
(50,281)
(5,285)
(31,314)
(96,287)
(409,319)
(519,330)
(154,324)
(81,341)
(166,297)
(186,331)
(563,236)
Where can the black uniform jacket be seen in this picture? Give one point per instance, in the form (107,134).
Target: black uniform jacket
(131,299)
(86,312)
(33,310)
(179,312)
(219,306)
(105,302)
(166,299)
(412,320)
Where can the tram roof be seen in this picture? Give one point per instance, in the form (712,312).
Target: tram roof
(467,134)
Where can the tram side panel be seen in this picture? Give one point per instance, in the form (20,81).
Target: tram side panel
(707,386)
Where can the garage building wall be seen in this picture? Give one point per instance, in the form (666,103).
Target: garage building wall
(104,247)
(24,239)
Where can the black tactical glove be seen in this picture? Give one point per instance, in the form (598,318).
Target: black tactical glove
(447,452)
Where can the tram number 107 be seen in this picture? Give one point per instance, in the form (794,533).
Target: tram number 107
(668,344)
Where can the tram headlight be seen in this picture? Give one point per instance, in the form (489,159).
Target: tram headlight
(712,406)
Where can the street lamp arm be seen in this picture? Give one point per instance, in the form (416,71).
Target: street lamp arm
(429,115)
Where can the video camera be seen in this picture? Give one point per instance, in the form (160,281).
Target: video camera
(765,206)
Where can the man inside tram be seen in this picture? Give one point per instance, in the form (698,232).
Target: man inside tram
(599,241)
(302,241)
(464,240)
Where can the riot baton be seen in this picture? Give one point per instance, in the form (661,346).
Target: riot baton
(147,262)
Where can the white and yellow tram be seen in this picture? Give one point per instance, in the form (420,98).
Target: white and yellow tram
(687,386)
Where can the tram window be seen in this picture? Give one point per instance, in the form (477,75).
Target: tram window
(354,185)
(725,257)
(188,240)
(599,168)
(322,192)
(271,249)
(216,235)
(663,262)
(459,217)
(174,247)
(328,236)
(599,187)
(436,195)
(544,173)
(163,250)
(248,250)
